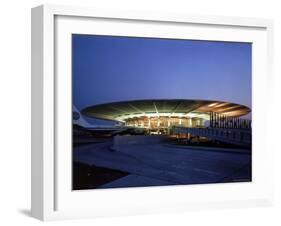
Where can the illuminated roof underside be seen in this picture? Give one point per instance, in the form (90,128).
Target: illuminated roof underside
(123,111)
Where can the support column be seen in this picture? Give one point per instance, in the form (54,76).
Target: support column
(158,124)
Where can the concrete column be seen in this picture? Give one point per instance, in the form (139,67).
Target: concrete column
(201,122)
(189,122)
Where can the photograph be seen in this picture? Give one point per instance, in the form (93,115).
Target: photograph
(149,111)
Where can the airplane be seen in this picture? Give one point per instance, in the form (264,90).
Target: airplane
(80,123)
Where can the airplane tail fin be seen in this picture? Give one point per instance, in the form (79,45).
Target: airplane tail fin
(78,119)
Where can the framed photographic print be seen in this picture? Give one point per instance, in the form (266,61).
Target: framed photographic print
(137,112)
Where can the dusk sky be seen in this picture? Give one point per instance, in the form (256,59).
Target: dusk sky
(108,69)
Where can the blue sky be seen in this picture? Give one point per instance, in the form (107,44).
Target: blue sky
(107,69)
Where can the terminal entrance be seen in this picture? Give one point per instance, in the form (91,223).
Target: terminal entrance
(161,125)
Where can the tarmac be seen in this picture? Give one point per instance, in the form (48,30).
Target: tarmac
(162,164)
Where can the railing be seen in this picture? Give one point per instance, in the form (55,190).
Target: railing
(223,121)
(233,136)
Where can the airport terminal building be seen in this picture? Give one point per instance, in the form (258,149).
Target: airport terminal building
(157,116)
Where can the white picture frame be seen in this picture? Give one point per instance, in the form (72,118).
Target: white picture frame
(52,197)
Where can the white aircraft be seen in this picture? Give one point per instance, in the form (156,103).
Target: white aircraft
(79,120)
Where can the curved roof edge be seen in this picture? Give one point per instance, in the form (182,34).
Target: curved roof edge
(114,110)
